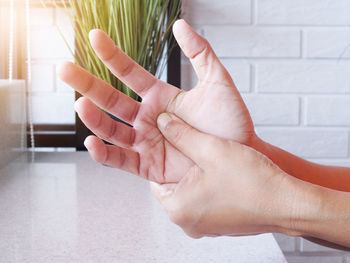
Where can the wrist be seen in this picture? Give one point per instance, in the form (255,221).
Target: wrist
(260,145)
(301,209)
(289,163)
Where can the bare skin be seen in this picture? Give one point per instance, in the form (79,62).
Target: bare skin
(213,107)
(237,191)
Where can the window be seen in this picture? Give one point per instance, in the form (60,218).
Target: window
(55,122)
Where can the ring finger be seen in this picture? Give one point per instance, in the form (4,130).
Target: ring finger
(104,126)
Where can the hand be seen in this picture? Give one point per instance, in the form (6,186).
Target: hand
(214,106)
(230,190)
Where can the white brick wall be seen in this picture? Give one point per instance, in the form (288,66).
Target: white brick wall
(328,111)
(301,12)
(330,43)
(290,59)
(52,100)
(249,42)
(273,109)
(294,77)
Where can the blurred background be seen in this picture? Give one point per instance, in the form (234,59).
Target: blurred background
(289,59)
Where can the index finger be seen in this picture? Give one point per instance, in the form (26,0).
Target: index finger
(120,64)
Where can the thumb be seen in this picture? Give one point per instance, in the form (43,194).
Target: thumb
(198,50)
(194,144)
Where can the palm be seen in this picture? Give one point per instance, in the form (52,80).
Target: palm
(200,107)
(212,107)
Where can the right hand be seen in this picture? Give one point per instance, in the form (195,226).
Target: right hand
(230,190)
(214,106)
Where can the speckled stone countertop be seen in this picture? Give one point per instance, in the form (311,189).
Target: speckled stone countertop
(65,208)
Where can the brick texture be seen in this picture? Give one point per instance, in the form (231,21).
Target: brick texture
(223,12)
(254,41)
(303,78)
(273,110)
(328,111)
(301,12)
(240,73)
(327,43)
(52,99)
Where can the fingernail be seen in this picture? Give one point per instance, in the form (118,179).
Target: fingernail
(91,33)
(86,144)
(163,120)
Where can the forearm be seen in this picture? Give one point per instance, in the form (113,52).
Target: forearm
(337,178)
(317,212)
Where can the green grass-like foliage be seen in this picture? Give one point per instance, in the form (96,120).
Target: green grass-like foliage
(142,28)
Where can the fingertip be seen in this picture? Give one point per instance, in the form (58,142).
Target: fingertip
(188,39)
(94,34)
(103,45)
(96,148)
(177,23)
(88,142)
(78,103)
(64,70)
(180,25)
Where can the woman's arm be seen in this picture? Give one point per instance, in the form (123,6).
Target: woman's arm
(317,212)
(337,178)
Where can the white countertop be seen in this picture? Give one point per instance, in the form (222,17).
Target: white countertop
(66,208)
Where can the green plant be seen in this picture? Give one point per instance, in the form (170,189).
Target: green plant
(142,28)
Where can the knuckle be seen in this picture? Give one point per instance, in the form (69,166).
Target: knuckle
(112,100)
(132,137)
(134,113)
(125,71)
(112,132)
(104,158)
(98,124)
(109,56)
(91,82)
(122,159)
(206,45)
(201,52)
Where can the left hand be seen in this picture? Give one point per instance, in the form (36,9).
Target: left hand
(214,106)
(230,190)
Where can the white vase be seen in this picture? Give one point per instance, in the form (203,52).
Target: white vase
(12,120)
